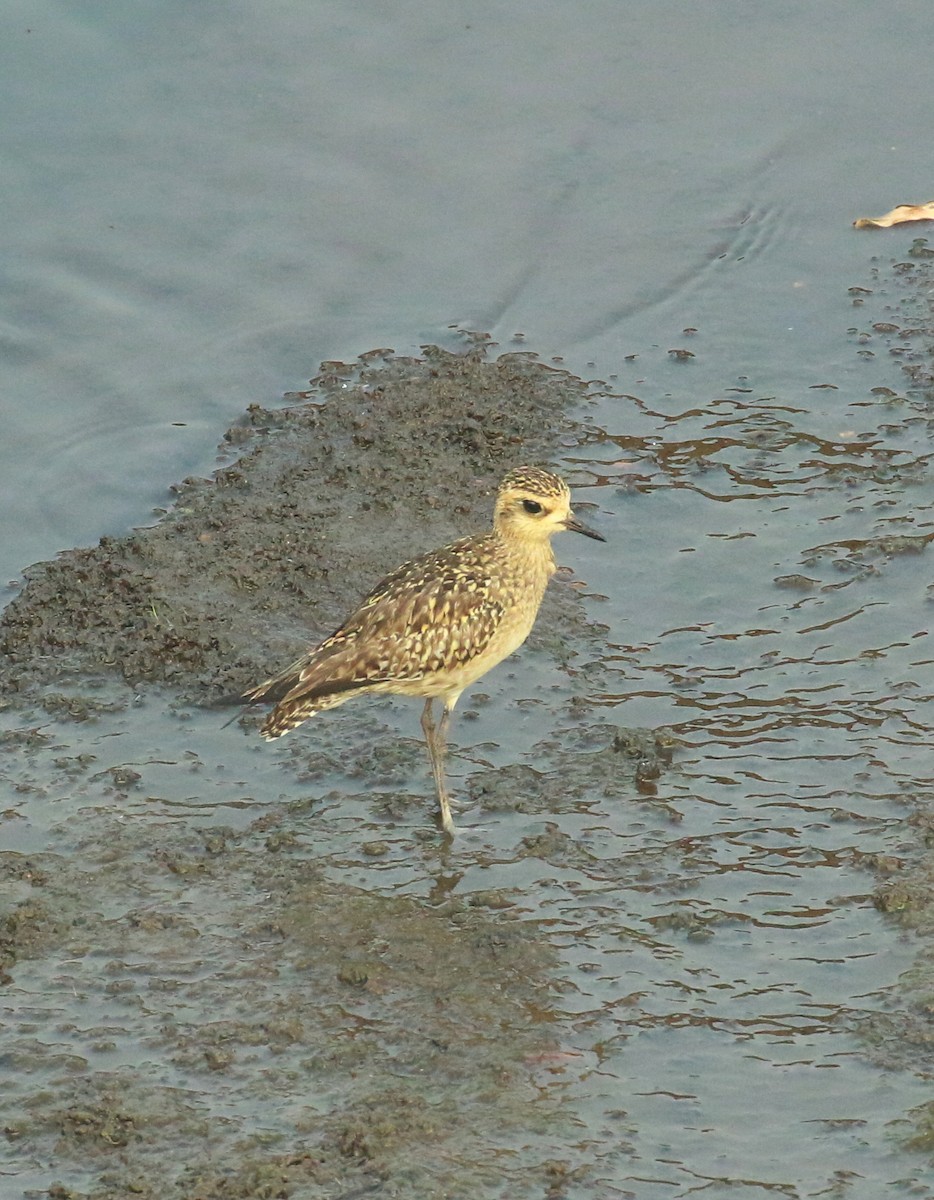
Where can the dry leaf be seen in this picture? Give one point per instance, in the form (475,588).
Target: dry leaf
(901,212)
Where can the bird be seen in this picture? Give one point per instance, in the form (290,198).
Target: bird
(438,623)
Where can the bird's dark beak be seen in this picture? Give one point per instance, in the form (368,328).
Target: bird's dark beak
(576,526)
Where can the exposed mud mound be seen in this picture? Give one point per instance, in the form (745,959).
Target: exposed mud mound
(267,555)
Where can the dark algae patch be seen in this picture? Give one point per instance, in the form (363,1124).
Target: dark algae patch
(200,1002)
(240,969)
(379,461)
(374,1039)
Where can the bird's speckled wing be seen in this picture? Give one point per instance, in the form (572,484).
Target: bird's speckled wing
(432,613)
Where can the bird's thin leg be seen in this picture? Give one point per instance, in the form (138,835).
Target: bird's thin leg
(436,740)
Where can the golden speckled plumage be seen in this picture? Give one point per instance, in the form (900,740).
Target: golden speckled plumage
(436,624)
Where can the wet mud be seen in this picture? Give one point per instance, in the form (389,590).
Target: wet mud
(324,496)
(904,329)
(236,971)
(197,1008)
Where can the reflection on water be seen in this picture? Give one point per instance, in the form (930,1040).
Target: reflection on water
(652,960)
(773,580)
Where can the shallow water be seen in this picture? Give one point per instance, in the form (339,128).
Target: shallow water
(203,205)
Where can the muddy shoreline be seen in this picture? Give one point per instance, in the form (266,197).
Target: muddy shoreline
(376,462)
(236,970)
(204,1009)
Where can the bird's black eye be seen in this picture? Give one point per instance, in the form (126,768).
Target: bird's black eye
(531,506)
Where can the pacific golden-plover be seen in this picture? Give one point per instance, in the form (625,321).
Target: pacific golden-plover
(439,622)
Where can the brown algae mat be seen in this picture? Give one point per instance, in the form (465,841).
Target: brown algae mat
(200,1010)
